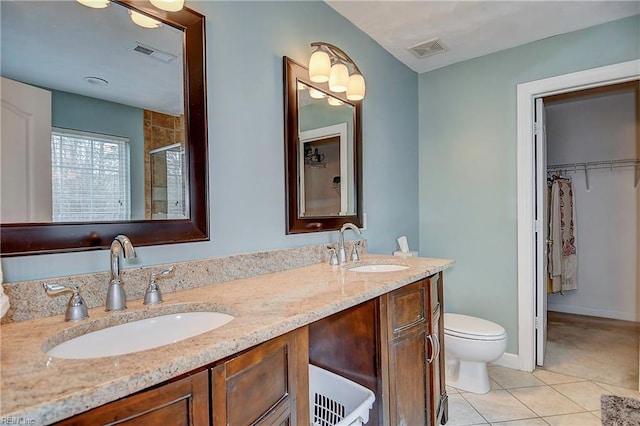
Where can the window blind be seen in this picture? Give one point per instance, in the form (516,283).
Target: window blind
(90,177)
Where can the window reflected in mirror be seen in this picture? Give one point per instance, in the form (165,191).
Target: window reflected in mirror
(89,178)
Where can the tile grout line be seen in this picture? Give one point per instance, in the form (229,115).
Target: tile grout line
(474,408)
(540,416)
(576,402)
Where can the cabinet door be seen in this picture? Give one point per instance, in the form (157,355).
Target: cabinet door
(409,378)
(404,315)
(181,402)
(260,386)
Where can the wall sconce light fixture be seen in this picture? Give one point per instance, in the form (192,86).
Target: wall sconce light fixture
(328,63)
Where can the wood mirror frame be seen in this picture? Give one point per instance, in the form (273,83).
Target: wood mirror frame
(38,238)
(294,72)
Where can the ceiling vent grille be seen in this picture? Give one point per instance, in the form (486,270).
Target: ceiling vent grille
(154,53)
(428,48)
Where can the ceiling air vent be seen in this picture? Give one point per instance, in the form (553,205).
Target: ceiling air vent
(154,53)
(428,48)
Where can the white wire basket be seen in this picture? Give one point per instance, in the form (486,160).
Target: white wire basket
(336,401)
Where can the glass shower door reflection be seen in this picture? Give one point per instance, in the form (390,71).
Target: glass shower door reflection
(168,195)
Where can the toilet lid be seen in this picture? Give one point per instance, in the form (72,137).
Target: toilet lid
(472,328)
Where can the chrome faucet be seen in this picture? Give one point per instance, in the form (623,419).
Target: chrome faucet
(342,254)
(116,298)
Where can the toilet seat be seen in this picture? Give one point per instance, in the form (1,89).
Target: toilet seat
(472,328)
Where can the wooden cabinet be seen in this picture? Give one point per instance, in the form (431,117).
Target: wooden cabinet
(266,385)
(414,365)
(184,401)
(392,345)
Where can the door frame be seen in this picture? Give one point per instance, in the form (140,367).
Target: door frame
(526,94)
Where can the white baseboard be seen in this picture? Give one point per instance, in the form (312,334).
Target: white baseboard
(508,360)
(602,313)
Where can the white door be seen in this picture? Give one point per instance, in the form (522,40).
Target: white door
(25,153)
(542,226)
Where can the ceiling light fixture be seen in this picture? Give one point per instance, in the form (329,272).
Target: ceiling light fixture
(143,20)
(329,63)
(95,4)
(168,5)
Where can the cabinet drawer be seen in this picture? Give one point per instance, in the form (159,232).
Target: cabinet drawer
(180,402)
(408,306)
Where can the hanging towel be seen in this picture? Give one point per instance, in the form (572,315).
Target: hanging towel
(563,255)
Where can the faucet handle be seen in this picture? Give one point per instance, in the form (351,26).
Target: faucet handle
(334,256)
(355,256)
(77,308)
(153,295)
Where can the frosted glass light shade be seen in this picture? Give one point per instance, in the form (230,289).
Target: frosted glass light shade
(316,94)
(356,87)
(168,5)
(319,66)
(339,78)
(333,101)
(96,4)
(143,20)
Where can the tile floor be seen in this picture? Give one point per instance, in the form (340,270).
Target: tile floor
(532,399)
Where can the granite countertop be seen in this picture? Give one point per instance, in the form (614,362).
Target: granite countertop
(41,389)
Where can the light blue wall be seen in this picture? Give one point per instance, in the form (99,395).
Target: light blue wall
(245,45)
(468,161)
(77,112)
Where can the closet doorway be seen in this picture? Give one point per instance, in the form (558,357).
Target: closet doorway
(531,329)
(591,163)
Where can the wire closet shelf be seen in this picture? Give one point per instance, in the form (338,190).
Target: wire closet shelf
(594,165)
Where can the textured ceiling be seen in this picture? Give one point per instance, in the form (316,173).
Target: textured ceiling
(472,28)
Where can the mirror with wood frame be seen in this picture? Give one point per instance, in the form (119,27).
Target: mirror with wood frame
(323,154)
(152,79)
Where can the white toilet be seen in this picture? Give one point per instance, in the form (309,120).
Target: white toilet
(470,343)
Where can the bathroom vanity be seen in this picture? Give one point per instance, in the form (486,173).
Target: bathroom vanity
(382,330)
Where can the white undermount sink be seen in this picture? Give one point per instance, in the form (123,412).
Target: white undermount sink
(139,335)
(378,268)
